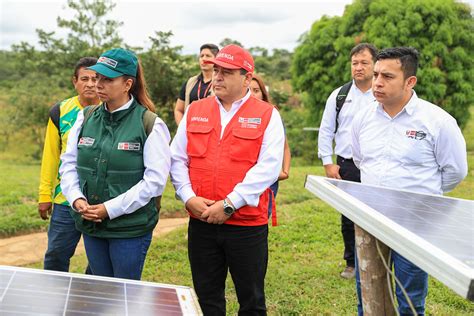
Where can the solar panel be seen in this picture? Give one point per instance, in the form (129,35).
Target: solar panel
(32,292)
(434,232)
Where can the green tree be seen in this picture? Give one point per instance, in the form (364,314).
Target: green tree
(28,111)
(43,76)
(258,51)
(165,72)
(281,63)
(89,33)
(89,28)
(227,41)
(275,66)
(441,30)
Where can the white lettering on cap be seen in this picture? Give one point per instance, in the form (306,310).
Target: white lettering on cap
(110,62)
(248,65)
(225,56)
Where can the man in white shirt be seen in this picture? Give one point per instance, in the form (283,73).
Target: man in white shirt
(336,126)
(404,142)
(227,151)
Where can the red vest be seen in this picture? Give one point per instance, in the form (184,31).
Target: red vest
(217,165)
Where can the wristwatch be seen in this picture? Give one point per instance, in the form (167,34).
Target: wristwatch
(228,208)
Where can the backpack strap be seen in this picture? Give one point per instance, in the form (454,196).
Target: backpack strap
(149,118)
(88,111)
(149,121)
(189,87)
(340,99)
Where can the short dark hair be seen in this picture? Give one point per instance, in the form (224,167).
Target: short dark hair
(84,62)
(213,48)
(408,57)
(243,71)
(364,46)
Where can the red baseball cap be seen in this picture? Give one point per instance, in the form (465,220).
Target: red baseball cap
(233,57)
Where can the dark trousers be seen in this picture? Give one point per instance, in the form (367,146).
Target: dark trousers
(348,171)
(215,249)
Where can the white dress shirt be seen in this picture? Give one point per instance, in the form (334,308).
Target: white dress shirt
(156,158)
(421,149)
(257,179)
(355,102)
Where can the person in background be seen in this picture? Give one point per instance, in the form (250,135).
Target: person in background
(404,142)
(259,91)
(226,153)
(199,86)
(336,127)
(62,233)
(117,161)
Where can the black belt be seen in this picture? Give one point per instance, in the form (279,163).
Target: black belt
(344,159)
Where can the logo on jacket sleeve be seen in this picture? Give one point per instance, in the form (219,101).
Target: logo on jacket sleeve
(86,141)
(129,146)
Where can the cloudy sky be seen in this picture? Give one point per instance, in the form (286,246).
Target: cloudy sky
(270,24)
(266,23)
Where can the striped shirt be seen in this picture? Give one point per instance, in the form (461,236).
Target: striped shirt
(54,145)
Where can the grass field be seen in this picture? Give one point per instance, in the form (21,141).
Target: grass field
(19,193)
(304,265)
(305,249)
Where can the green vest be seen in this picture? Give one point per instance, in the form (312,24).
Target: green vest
(110,162)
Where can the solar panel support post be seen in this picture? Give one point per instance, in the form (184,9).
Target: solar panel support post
(373,275)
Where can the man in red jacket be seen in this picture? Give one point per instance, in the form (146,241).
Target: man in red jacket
(226,153)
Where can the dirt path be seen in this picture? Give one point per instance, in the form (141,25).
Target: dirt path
(26,249)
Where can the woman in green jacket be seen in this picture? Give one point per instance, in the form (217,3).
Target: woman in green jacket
(114,166)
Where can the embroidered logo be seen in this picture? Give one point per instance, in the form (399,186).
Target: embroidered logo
(86,141)
(418,135)
(225,55)
(199,119)
(250,120)
(129,146)
(108,61)
(67,123)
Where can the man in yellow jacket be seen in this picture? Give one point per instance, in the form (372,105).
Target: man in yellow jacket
(62,234)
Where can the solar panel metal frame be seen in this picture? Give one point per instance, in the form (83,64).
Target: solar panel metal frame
(187,298)
(436,262)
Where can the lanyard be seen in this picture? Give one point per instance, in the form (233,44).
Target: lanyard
(205,92)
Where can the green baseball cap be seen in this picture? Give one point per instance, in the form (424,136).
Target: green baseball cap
(116,62)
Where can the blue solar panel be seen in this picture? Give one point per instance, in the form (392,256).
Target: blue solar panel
(435,232)
(33,292)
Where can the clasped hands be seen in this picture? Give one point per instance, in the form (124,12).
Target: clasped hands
(207,210)
(94,213)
